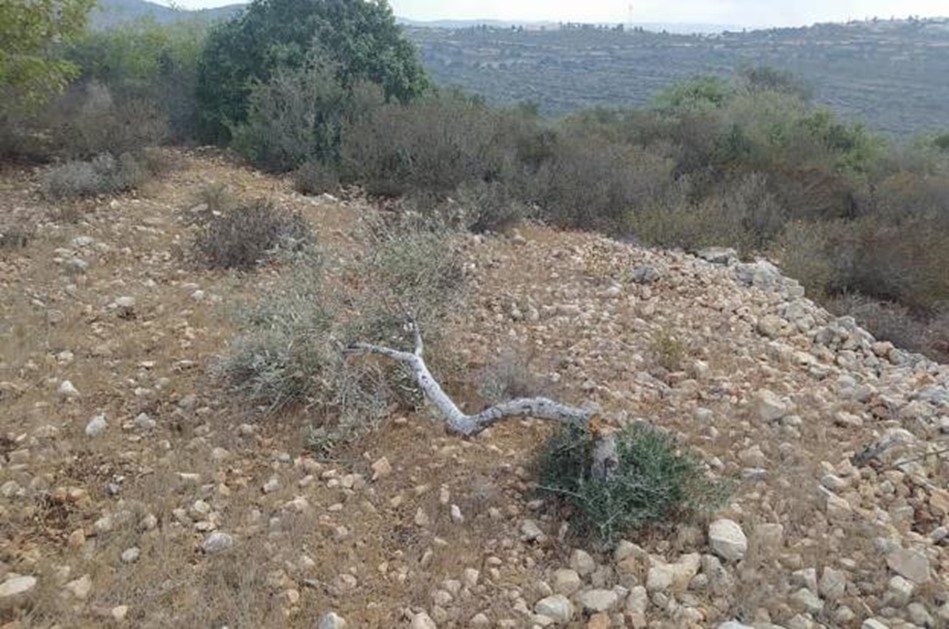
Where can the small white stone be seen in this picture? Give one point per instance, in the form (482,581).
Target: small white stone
(597,601)
(131,555)
(727,539)
(582,562)
(331,620)
(96,426)
(67,391)
(16,585)
(217,542)
(422,621)
(557,607)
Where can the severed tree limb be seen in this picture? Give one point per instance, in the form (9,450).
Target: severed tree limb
(605,457)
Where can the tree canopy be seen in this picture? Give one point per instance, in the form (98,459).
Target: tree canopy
(361,38)
(30,31)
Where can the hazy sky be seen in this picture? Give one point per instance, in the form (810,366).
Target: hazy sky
(751,12)
(737,12)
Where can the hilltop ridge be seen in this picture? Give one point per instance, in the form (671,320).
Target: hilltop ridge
(143,493)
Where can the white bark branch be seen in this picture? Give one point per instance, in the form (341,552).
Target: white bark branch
(605,458)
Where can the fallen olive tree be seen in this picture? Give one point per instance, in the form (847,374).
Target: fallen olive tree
(605,461)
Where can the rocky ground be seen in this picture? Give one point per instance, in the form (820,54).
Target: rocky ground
(135,491)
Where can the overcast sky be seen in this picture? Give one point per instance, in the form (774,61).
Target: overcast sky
(750,12)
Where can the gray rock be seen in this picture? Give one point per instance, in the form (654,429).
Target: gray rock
(332,620)
(81,587)
(769,407)
(557,607)
(718,255)
(131,555)
(14,588)
(96,426)
(638,600)
(910,564)
(422,621)
(530,532)
(899,591)
(596,601)
(727,539)
(919,615)
(144,422)
(645,275)
(582,562)
(217,542)
(807,601)
(566,581)
(67,391)
(833,584)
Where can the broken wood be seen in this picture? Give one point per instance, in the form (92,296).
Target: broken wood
(605,459)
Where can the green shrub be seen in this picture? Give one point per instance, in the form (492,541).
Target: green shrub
(361,38)
(247,235)
(657,483)
(298,115)
(431,146)
(804,253)
(149,70)
(591,183)
(91,122)
(315,177)
(489,207)
(102,175)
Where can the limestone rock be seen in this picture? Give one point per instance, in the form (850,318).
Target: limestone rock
(727,540)
(557,607)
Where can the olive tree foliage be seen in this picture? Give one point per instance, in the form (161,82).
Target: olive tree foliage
(30,31)
(360,37)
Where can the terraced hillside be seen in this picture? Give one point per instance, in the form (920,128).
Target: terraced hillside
(890,74)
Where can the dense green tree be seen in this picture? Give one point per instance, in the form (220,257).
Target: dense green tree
(360,37)
(30,31)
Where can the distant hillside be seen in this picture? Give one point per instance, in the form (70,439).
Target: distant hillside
(109,13)
(687,28)
(891,74)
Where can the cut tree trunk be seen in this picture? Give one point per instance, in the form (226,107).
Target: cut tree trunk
(605,459)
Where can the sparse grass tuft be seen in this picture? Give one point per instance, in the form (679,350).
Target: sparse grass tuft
(510,377)
(669,351)
(658,482)
(243,237)
(16,235)
(102,175)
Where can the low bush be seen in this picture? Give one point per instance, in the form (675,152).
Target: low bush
(489,207)
(592,183)
(432,146)
(657,483)
(90,121)
(668,351)
(243,237)
(102,175)
(16,234)
(291,352)
(298,115)
(314,178)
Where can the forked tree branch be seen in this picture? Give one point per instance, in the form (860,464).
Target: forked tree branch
(605,458)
